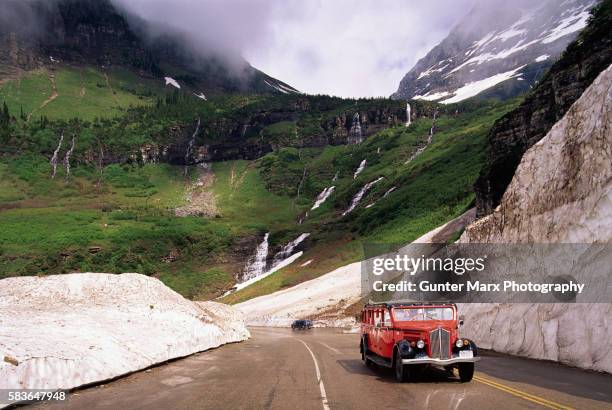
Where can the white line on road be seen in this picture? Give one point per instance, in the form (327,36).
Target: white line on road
(319,379)
(333,349)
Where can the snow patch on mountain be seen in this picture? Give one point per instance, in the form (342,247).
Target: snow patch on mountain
(496,42)
(476,87)
(171,81)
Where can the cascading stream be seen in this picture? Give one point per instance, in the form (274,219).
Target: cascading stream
(287,250)
(359,195)
(68,155)
(408,115)
(53,161)
(256,265)
(355,136)
(190,145)
(432,130)
(361,167)
(322,197)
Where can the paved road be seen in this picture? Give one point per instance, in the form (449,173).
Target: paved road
(321,368)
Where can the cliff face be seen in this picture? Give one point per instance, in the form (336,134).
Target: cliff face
(561,192)
(77,31)
(520,129)
(35,33)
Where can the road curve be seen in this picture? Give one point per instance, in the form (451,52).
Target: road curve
(321,368)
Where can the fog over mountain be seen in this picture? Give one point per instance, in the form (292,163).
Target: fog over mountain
(340,48)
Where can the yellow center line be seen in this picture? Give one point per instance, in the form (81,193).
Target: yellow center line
(519,393)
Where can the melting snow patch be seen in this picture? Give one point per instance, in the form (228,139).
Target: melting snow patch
(568,26)
(432,96)
(171,81)
(476,87)
(277,87)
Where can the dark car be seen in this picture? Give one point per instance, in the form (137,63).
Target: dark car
(301,324)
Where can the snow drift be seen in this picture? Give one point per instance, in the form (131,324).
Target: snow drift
(64,331)
(561,192)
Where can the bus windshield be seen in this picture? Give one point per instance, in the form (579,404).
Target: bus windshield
(428,313)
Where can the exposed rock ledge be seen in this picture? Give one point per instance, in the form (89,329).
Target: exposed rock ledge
(64,331)
(561,192)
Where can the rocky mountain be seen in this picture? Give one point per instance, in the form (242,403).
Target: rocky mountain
(521,128)
(36,34)
(499,49)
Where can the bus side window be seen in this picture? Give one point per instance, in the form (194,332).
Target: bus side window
(387,318)
(377,318)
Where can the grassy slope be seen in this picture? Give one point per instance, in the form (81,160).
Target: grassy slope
(432,189)
(49,226)
(81,92)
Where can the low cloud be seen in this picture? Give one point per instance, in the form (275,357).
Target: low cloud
(339,47)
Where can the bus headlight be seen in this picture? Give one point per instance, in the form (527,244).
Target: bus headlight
(459,343)
(420,344)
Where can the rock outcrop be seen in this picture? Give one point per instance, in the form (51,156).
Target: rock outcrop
(64,331)
(561,193)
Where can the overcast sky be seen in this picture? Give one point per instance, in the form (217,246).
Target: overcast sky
(355,48)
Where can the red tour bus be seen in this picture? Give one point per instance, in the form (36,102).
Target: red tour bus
(407,336)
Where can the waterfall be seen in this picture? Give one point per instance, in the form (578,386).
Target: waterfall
(287,250)
(433,125)
(355,136)
(323,197)
(53,161)
(335,178)
(256,265)
(432,130)
(384,196)
(408,115)
(360,168)
(68,155)
(190,145)
(393,188)
(360,195)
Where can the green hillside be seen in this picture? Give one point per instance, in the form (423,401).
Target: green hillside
(85,92)
(116,212)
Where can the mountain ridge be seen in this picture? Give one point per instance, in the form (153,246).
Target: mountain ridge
(498,48)
(96,33)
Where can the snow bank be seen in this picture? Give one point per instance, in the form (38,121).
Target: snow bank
(561,192)
(64,331)
(325,298)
